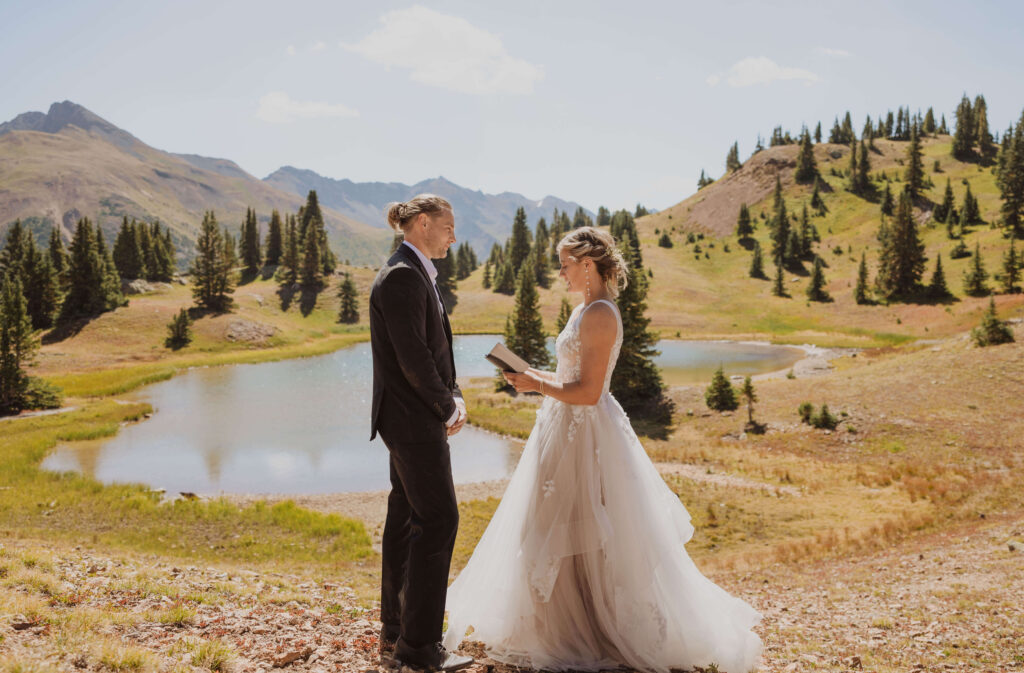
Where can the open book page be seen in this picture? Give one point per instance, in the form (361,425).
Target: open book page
(505,360)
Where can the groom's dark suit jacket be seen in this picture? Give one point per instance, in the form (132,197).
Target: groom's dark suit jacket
(414,387)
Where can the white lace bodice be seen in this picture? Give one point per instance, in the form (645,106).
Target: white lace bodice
(567,347)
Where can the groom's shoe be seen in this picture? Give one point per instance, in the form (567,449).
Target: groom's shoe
(427,659)
(386,645)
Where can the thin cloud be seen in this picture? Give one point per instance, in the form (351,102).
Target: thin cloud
(760,70)
(447,52)
(319,46)
(829,51)
(291,50)
(277,107)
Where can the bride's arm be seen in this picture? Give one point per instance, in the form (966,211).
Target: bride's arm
(540,373)
(598,328)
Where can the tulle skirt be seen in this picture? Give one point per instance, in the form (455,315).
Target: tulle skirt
(583,565)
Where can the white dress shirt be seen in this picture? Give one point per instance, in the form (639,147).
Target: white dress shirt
(432,273)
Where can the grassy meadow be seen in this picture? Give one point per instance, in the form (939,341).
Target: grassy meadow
(929,442)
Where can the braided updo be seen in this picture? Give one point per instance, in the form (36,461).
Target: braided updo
(599,246)
(401,215)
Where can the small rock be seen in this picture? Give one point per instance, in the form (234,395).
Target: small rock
(853,662)
(292,657)
(1015,545)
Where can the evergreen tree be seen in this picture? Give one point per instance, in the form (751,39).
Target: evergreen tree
(744,228)
(128,255)
(704,180)
(42,286)
(779,285)
(665,241)
(504,279)
(230,249)
(816,287)
(732,160)
(914,175)
(288,272)
(862,182)
(446,281)
(757,262)
(780,231)
(159,254)
(211,271)
(58,257)
(748,394)
(17,345)
(720,395)
(636,380)
(860,294)
(524,333)
(929,121)
(311,270)
(943,129)
(901,255)
(942,210)
(348,309)
(251,254)
(847,134)
(519,243)
(93,286)
(1011,269)
(982,136)
(806,167)
(836,134)
(992,330)
(807,233)
(564,313)
(1010,180)
(817,133)
(581,219)
(604,217)
(179,331)
(487,275)
(963,138)
(851,172)
(275,239)
(970,213)
(542,261)
(887,201)
(937,288)
(976,275)
(817,202)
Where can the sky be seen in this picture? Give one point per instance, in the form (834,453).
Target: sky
(603,103)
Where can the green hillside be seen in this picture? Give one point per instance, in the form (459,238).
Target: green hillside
(710,295)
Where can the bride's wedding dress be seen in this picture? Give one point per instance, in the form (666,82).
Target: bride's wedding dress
(583,565)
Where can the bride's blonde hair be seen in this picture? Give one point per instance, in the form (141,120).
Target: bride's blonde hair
(599,246)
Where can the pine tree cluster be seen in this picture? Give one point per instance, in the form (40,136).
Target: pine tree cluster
(144,251)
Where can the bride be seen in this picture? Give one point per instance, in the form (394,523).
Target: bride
(583,565)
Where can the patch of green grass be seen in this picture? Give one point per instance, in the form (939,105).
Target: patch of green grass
(214,655)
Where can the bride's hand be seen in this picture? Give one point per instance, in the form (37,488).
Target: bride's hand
(523,383)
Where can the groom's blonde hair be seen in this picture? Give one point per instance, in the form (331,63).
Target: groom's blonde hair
(401,214)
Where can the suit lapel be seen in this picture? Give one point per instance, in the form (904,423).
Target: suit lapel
(410,257)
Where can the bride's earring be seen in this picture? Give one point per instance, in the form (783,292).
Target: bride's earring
(588,286)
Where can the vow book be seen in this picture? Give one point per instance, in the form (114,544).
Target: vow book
(505,360)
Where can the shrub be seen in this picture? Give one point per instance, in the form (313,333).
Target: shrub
(806,410)
(720,395)
(992,331)
(179,331)
(823,420)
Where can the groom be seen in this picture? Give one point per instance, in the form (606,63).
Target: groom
(416,407)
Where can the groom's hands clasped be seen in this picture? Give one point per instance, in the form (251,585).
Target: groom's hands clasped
(460,405)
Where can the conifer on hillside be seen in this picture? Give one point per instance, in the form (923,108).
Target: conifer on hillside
(17,344)
(311,271)
(744,228)
(288,270)
(1010,180)
(519,243)
(862,182)
(604,217)
(445,280)
(779,285)
(806,168)
(58,257)
(975,276)
(929,121)
(937,288)
(982,136)
(93,285)
(732,159)
(249,244)
(887,201)
(128,254)
(504,279)
(212,278)
(720,395)
(817,202)
(179,331)
(966,125)
(817,133)
(992,330)
(943,129)
(348,305)
(901,256)
(942,210)
(542,261)
(970,213)
(703,181)
(22,259)
(636,380)
(564,313)
(860,293)
(914,175)
(816,287)
(487,275)
(1011,269)
(757,262)
(275,239)
(524,333)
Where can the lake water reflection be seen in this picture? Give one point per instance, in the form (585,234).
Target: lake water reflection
(302,426)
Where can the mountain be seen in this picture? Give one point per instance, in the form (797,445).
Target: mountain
(481,219)
(69,162)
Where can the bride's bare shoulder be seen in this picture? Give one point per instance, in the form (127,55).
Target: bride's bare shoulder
(599,317)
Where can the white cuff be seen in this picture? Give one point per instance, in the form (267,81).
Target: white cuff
(455,417)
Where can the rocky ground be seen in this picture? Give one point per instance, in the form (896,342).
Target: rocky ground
(948,601)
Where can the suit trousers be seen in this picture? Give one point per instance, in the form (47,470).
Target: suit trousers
(419,536)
